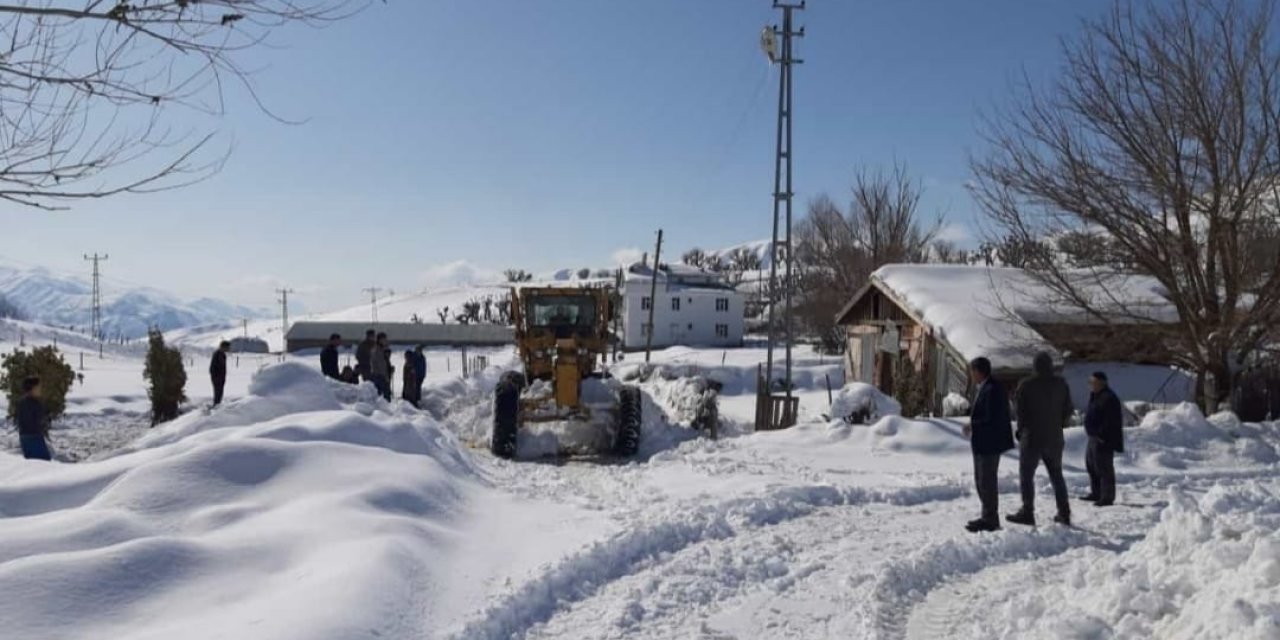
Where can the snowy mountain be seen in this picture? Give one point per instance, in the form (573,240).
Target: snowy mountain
(65,300)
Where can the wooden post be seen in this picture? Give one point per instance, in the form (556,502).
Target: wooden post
(830,399)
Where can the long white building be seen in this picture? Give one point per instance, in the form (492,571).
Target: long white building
(692,308)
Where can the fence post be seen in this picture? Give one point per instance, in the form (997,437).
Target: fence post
(82,361)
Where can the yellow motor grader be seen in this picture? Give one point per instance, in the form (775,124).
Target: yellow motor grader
(562,336)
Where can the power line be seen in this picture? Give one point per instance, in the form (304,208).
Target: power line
(373,301)
(96,319)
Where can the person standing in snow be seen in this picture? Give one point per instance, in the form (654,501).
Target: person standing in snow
(990,434)
(218,371)
(33,430)
(364,356)
(1104,422)
(412,392)
(420,365)
(1043,411)
(380,367)
(329,358)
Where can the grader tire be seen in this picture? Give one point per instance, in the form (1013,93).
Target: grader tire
(627,441)
(506,415)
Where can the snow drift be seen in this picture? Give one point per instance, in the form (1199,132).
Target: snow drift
(279,515)
(1210,568)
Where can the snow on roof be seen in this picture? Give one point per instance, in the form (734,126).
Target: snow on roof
(676,274)
(985,311)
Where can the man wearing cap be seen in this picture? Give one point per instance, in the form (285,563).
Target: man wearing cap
(1104,423)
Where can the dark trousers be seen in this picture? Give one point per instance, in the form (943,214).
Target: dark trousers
(35,447)
(218,385)
(383,385)
(1101,462)
(1030,460)
(986,471)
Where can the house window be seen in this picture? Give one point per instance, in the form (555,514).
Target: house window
(645,303)
(722,304)
(675,304)
(722,331)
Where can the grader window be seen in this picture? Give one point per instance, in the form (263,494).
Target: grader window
(561,311)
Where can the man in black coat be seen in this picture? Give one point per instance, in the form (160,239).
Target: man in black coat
(364,356)
(33,429)
(1104,422)
(329,358)
(991,434)
(218,371)
(1044,409)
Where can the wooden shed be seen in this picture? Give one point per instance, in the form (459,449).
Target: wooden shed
(940,317)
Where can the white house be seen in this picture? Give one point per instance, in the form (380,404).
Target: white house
(692,308)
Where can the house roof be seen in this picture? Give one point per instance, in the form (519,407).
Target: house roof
(677,276)
(990,311)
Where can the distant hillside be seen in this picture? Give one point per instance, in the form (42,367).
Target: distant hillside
(64,300)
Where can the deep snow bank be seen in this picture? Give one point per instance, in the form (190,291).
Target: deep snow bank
(279,515)
(1209,569)
(1182,437)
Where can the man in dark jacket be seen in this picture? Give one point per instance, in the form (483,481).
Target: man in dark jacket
(329,358)
(1104,422)
(1044,409)
(420,365)
(32,427)
(991,434)
(218,371)
(364,356)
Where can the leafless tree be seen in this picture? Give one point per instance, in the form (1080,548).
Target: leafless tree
(85,87)
(1162,134)
(836,250)
(694,257)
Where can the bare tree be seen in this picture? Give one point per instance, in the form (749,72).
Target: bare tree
(1163,135)
(517,275)
(85,86)
(694,257)
(836,251)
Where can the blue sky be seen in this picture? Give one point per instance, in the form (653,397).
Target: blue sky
(550,133)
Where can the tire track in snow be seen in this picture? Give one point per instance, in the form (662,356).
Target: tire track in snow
(581,575)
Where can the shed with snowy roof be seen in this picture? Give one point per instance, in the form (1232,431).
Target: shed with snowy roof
(930,321)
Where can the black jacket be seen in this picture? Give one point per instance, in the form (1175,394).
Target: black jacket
(364,353)
(30,416)
(218,366)
(1044,409)
(329,362)
(1104,419)
(989,419)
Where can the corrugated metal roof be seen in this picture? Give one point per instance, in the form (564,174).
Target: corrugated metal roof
(405,332)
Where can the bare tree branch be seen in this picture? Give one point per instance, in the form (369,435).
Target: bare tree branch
(85,86)
(1161,139)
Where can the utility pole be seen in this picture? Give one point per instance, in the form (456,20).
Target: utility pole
(245,323)
(783,194)
(284,312)
(653,295)
(96,321)
(373,301)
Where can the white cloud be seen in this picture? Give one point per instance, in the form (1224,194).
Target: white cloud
(459,273)
(955,233)
(627,255)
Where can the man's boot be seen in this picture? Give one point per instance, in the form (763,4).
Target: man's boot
(1023,516)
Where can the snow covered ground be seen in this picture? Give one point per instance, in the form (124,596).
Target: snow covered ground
(305,508)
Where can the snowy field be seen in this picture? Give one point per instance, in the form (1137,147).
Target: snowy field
(305,508)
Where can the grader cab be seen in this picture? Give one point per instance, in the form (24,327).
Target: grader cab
(562,336)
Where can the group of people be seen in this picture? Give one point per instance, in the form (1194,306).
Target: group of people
(1042,408)
(373,364)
